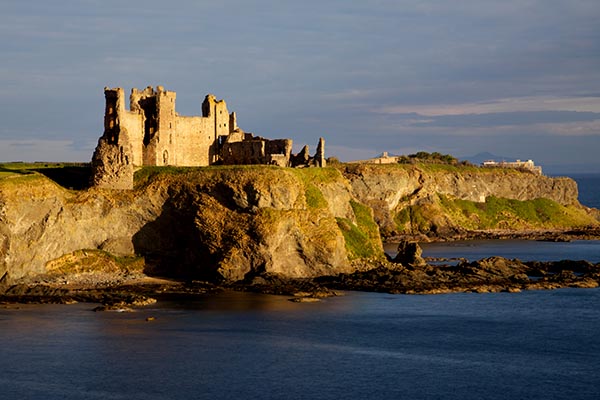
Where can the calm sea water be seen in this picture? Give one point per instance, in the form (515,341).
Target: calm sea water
(524,250)
(589,189)
(531,345)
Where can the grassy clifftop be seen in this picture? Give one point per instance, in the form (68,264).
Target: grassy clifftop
(443,215)
(440,199)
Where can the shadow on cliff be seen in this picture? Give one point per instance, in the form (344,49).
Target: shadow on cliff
(172,247)
(75,177)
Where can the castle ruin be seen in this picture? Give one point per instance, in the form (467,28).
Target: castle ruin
(152,133)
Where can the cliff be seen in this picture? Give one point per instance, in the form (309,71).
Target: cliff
(216,223)
(232,223)
(439,200)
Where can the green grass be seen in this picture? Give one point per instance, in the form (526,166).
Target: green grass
(15,169)
(147,172)
(494,213)
(497,211)
(314,197)
(436,168)
(362,239)
(68,175)
(94,260)
(310,178)
(10,180)
(317,175)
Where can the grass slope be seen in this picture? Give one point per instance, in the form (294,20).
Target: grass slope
(495,213)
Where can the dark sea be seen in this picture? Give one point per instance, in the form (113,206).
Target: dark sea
(529,345)
(589,189)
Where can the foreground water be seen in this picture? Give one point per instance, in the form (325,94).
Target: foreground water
(541,345)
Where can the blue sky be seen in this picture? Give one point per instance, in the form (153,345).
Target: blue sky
(519,78)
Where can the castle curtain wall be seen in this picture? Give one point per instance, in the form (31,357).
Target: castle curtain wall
(195,140)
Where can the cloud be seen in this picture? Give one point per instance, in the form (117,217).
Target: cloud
(517,104)
(506,119)
(586,128)
(43,150)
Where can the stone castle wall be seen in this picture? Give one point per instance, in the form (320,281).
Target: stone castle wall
(152,133)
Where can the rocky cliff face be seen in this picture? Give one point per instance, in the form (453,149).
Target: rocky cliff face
(389,189)
(223,223)
(393,183)
(240,221)
(232,222)
(41,221)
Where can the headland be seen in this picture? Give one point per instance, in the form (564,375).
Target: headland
(201,203)
(309,232)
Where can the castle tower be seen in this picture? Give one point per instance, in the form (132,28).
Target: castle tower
(216,110)
(112,164)
(166,145)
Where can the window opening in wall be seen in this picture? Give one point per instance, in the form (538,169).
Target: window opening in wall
(148,106)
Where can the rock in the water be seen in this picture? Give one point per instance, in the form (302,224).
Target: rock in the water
(409,253)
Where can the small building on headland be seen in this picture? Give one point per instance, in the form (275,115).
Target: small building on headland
(383,158)
(152,133)
(528,165)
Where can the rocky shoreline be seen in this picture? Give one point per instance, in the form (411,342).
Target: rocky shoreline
(282,231)
(495,274)
(558,235)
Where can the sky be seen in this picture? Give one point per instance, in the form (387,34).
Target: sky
(516,78)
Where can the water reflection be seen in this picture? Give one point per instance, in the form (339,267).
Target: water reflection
(257,346)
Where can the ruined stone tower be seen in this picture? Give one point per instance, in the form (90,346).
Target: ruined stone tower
(152,133)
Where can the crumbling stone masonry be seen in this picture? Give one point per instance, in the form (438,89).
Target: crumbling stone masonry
(151,132)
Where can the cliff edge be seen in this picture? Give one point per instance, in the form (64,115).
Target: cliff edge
(231,223)
(441,201)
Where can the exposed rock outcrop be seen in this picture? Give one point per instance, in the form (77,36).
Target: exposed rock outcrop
(224,223)
(494,274)
(394,191)
(236,223)
(409,253)
(111,166)
(394,184)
